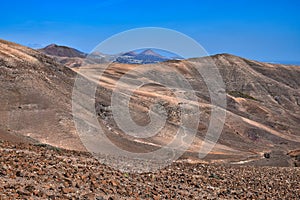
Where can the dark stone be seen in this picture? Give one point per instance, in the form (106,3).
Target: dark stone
(267,155)
(18,173)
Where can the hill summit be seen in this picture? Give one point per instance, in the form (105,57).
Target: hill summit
(62,51)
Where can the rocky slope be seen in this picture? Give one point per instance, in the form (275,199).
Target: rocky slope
(45,172)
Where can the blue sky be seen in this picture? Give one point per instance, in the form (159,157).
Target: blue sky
(257,29)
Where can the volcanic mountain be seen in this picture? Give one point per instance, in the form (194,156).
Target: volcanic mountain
(62,51)
(262,113)
(65,55)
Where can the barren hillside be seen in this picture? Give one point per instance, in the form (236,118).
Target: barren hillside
(262,116)
(35,97)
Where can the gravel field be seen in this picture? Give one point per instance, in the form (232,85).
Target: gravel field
(45,172)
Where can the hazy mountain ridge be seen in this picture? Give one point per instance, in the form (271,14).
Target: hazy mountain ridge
(147,56)
(74,58)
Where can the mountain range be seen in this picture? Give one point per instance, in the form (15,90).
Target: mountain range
(262,115)
(74,58)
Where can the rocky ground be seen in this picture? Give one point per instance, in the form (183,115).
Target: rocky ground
(45,172)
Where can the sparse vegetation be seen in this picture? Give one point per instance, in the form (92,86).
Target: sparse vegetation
(241,95)
(48,146)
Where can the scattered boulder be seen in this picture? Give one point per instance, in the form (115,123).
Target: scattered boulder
(93,180)
(267,155)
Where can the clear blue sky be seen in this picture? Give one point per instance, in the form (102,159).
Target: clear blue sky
(266,30)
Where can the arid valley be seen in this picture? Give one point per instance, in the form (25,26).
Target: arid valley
(42,156)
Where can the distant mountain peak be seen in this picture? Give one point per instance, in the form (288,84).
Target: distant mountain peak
(150,52)
(62,51)
(51,45)
(130,53)
(55,46)
(147,56)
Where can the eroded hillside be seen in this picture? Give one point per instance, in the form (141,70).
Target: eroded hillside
(262,113)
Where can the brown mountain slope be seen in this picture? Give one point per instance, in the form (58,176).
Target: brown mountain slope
(263,112)
(35,96)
